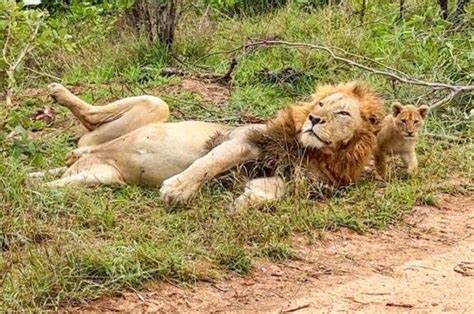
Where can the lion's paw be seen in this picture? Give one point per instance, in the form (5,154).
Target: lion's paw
(75,154)
(177,190)
(56,90)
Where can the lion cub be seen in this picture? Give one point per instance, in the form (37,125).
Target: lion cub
(398,137)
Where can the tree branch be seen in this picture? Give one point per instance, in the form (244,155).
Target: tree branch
(7,40)
(27,47)
(43,74)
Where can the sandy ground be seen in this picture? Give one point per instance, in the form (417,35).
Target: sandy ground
(425,264)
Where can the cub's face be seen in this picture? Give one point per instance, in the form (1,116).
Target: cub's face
(408,119)
(332,121)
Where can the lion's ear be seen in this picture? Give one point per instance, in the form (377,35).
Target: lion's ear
(359,89)
(423,110)
(396,108)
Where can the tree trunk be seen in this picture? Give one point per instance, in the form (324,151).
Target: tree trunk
(362,11)
(156,18)
(460,10)
(401,11)
(11,82)
(443,5)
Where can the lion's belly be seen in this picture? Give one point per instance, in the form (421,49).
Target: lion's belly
(156,152)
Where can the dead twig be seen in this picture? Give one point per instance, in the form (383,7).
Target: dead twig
(296,308)
(228,75)
(213,77)
(407,306)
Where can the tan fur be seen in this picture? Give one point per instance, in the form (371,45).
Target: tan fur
(340,163)
(129,142)
(398,137)
(283,147)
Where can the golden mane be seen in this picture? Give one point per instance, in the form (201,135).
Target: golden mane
(279,143)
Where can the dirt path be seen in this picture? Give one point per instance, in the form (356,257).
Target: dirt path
(425,264)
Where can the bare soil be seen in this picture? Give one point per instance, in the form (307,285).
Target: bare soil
(426,264)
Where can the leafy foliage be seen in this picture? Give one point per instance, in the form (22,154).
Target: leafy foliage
(245,7)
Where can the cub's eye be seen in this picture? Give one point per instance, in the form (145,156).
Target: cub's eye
(343,113)
(320,104)
(404,121)
(416,121)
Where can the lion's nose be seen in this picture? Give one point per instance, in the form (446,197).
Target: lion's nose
(410,133)
(316,120)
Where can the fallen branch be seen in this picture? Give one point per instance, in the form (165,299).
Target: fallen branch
(456,90)
(214,77)
(401,78)
(447,99)
(448,138)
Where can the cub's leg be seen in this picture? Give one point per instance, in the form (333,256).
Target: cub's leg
(181,187)
(99,174)
(259,191)
(113,120)
(380,161)
(410,161)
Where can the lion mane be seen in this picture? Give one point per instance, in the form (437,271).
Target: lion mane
(282,152)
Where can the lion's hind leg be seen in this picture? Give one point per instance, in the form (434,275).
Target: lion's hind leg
(98,174)
(51,172)
(112,120)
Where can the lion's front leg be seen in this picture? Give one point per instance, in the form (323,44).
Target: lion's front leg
(259,191)
(181,187)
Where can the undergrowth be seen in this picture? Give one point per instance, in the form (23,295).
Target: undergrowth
(64,247)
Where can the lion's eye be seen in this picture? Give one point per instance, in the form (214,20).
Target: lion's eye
(416,121)
(320,104)
(343,113)
(404,121)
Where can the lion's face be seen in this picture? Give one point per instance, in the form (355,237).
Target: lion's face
(408,119)
(332,122)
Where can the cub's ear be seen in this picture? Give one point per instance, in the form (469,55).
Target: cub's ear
(423,110)
(396,108)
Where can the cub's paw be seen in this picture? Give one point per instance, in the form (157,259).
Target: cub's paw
(177,190)
(378,177)
(412,171)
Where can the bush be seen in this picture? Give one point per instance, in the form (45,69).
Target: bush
(245,7)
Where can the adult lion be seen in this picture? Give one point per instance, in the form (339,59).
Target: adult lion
(129,143)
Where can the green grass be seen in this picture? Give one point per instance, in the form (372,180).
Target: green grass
(67,246)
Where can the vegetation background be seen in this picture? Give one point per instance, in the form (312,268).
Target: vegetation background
(65,247)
